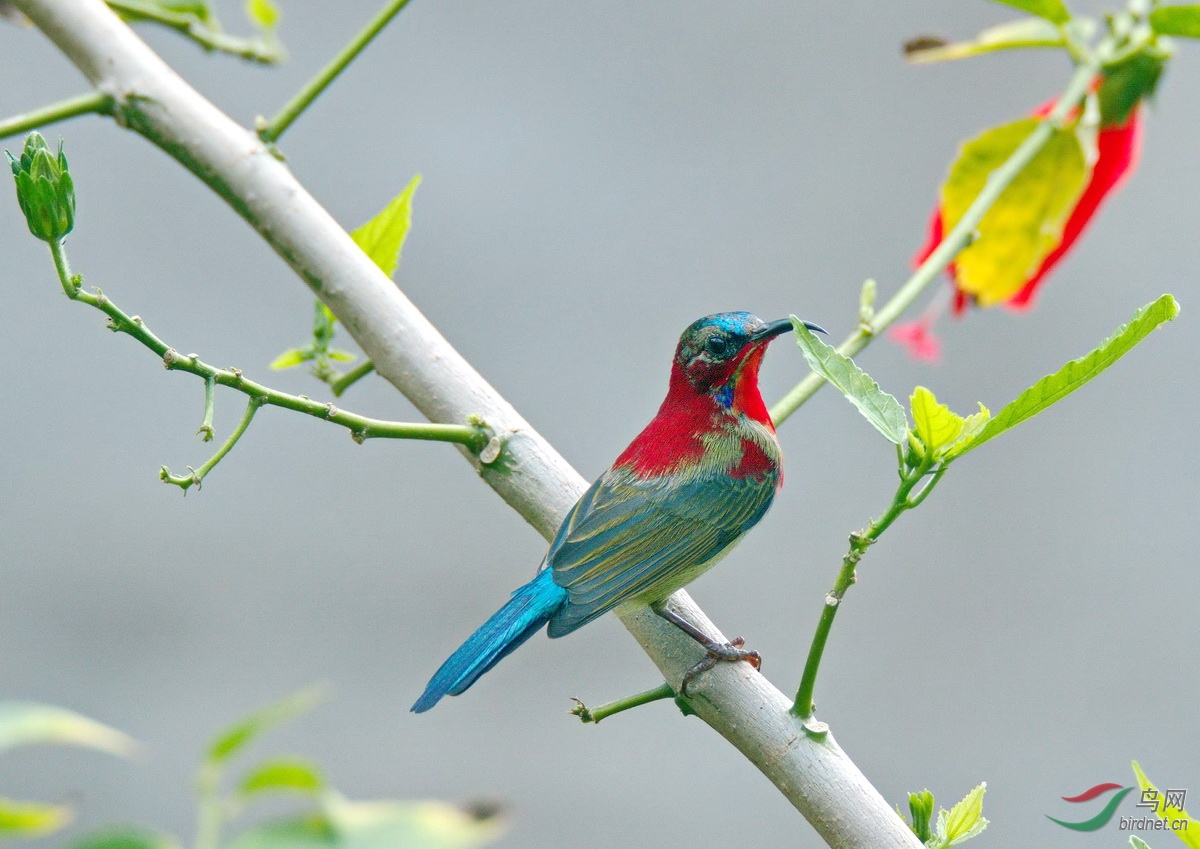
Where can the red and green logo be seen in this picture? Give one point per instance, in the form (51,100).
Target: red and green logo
(1101,819)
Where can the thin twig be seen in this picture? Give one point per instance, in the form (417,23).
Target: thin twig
(351,377)
(474,436)
(957,239)
(196,477)
(83,104)
(586,714)
(270,131)
(266,51)
(910,477)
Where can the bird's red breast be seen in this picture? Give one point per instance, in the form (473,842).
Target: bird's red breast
(699,426)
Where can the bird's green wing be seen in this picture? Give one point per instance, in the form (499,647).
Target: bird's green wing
(632,537)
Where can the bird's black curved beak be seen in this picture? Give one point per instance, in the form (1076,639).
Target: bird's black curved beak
(784,325)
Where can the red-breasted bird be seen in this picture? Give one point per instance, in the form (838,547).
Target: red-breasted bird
(700,475)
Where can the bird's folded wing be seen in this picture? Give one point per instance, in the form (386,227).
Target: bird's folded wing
(629,537)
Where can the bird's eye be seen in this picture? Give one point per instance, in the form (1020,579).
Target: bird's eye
(716,345)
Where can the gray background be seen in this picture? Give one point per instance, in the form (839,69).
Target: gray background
(597,176)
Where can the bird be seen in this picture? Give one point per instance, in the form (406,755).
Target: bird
(699,476)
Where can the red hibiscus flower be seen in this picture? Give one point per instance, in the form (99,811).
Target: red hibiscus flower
(1117,147)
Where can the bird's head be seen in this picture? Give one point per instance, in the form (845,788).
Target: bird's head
(720,354)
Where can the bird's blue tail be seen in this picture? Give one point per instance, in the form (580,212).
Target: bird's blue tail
(526,612)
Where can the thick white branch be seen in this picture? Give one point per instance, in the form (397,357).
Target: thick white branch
(812,771)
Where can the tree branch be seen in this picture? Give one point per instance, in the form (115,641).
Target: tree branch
(809,769)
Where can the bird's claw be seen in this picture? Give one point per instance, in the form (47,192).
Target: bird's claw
(729,652)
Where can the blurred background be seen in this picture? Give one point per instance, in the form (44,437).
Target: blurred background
(596,176)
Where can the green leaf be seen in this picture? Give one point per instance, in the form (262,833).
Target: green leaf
(342,356)
(1026,222)
(377,825)
(1128,83)
(880,409)
(1054,11)
(382,238)
(239,735)
(973,425)
(965,819)
(303,831)
(1024,33)
(935,425)
(27,819)
(413,825)
(291,358)
(282,775)
(1188,828)
(23,723)
(124,837)
(1176,20)
(1053,388)
(1137,842)
(264,13)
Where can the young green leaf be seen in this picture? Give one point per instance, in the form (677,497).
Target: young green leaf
(341,356)
(965,819)
(1137,842)
(282,775)
(1176,20)
(264,13)
(1182,825)
(23,723)
(29,819)
(1053,388)
(125,837)
(382,238)
(291,358)
(1054,11)
(237,736)
(1026,222)
(934,424)
(1027,32)
(879,408)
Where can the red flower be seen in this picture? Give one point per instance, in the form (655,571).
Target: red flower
(1117,147)
(918,339)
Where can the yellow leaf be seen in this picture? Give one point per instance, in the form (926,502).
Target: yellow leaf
(936,426)
(1026,222)
(264,13)
(27,819)
(1181,825)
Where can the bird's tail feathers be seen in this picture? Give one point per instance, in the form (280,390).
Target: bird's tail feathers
(526,612)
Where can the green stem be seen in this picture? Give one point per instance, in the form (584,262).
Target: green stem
(264,50)
(82,104)
(474,436)
(206,426)
(586,714)
(209,814)
(804,706)
(954,241)
(185,482)
(271,131)
(351,377)
(70,282)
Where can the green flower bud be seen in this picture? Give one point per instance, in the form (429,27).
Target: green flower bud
(45,189)
(920,805)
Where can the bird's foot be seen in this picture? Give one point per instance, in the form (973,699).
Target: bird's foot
(730,652)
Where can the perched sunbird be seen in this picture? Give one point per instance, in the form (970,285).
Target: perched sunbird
(700,475)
